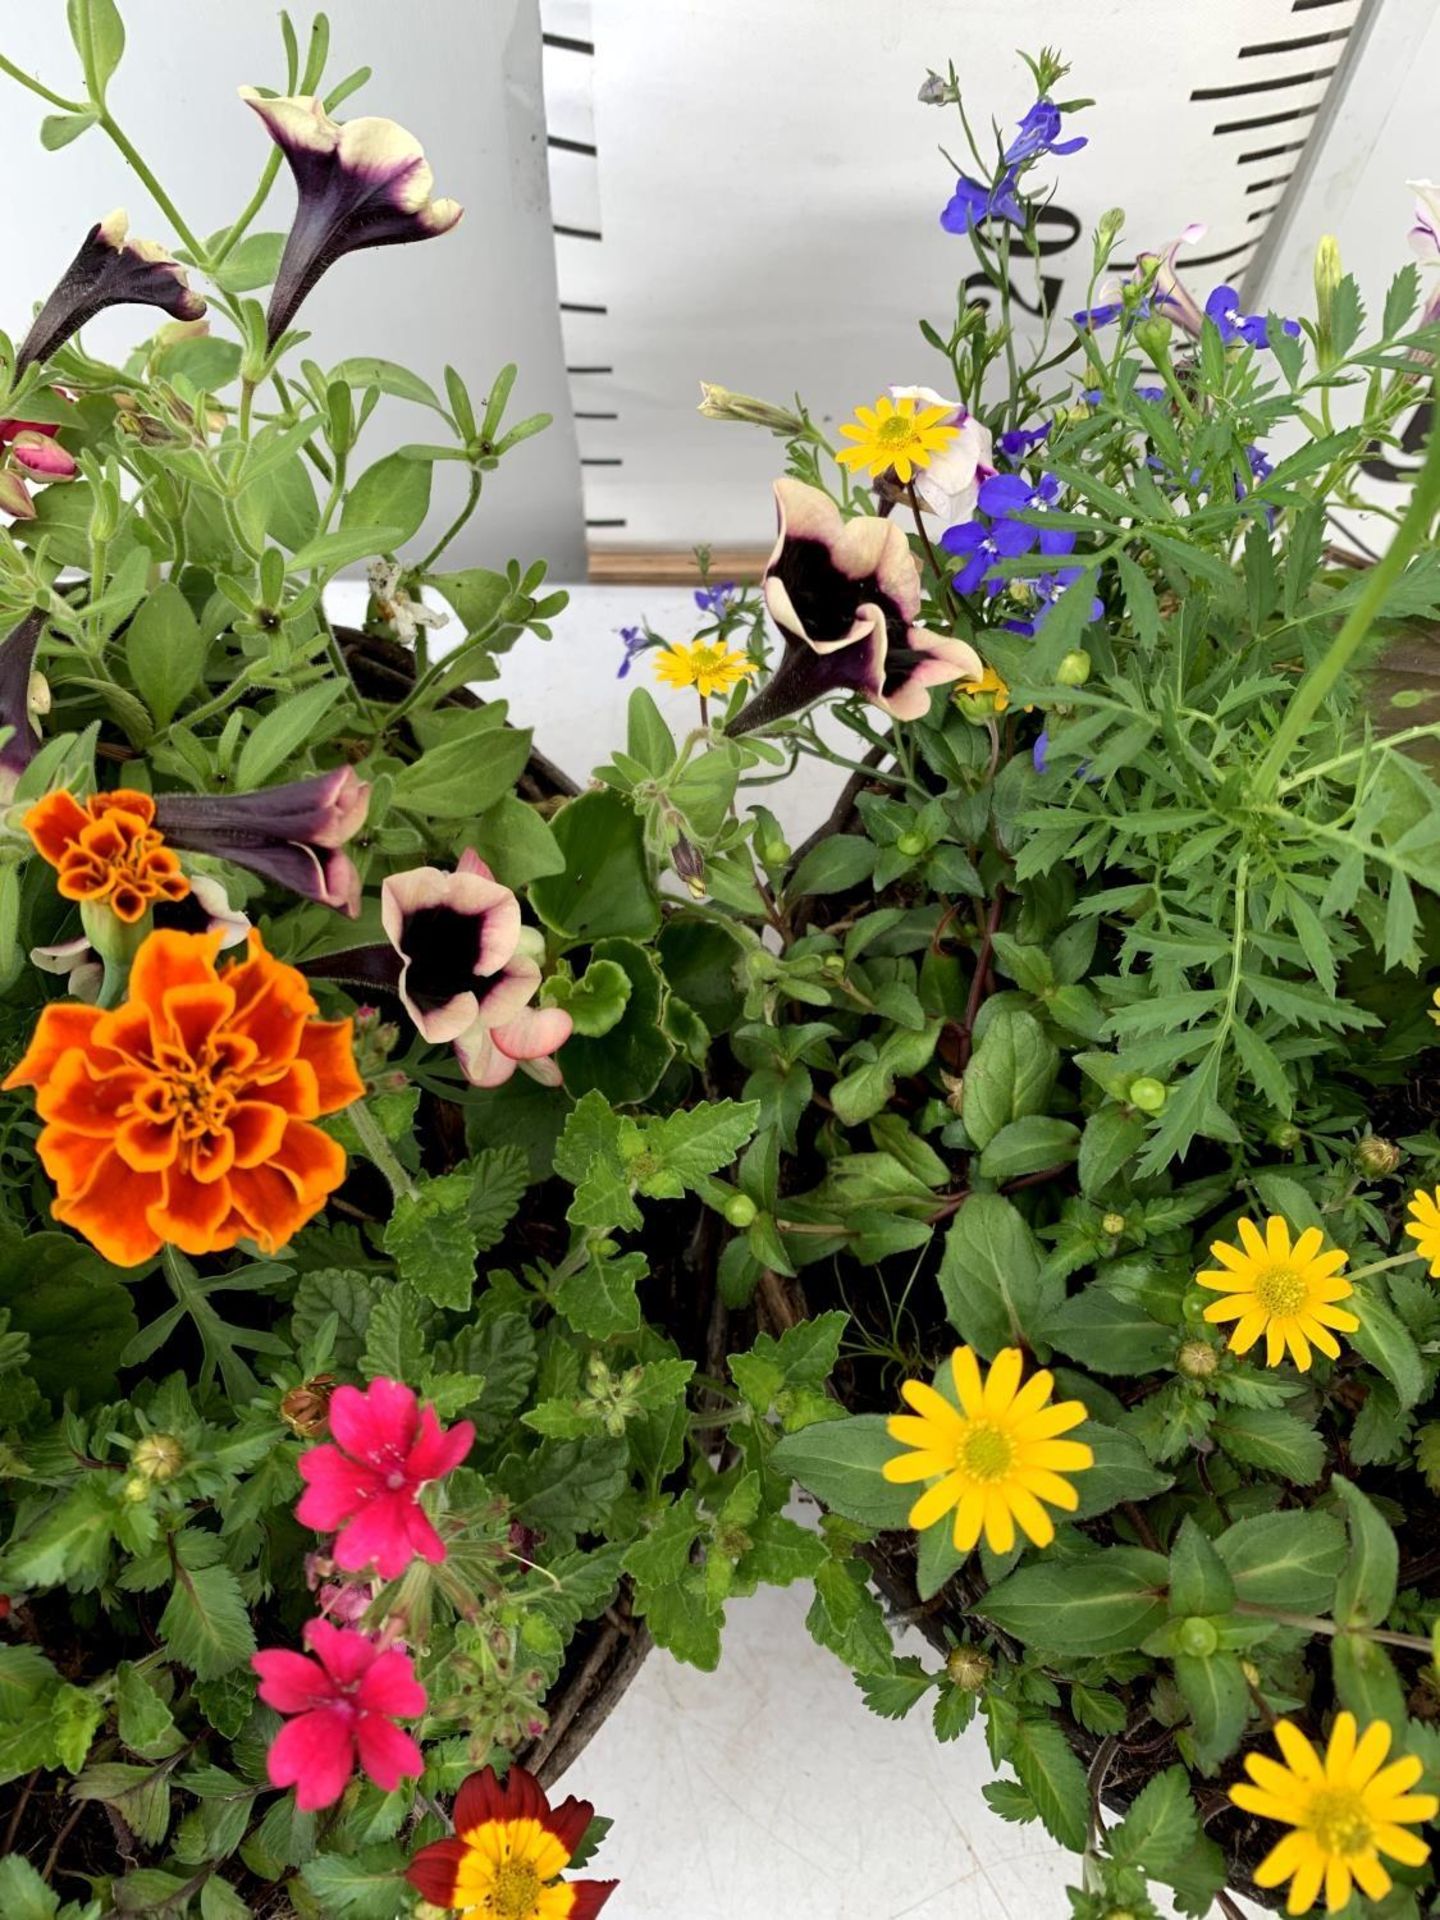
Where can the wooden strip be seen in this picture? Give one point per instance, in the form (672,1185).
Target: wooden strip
(673,566)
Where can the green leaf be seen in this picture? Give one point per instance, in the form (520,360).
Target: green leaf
(682,1147)
(328,552)
(778,1373)
(564,1488)
(145,1723)
(1107,1604)
(595,1002)
(499,1177)
(464,776)
(1214,1689)
(351,1297)
(1366,1681)
(75,1713)
(1199,1579)
(59,129)
(1028,1145)
(432,1240)
(394,495)
(514,839)
(70,1542)
(990,1276)
(845,1617)
(394,1337)
(600,1300)
(840,1462)
(77,1314)
(23,1894)
(1054,1779)
(893,1694)
(369,1885)
(253,262)
(1386,1344)
(1009,1076)
(99,36)
(834,866)
(1287,1560)
(165,650)
(205,1625)
(1365,1591)
(1121,1470)
(1161,1826)
(627,1063)
(1270,1438)
(1111,1138)
(1108,1334)
(387,376)
(290,724)
(606,886)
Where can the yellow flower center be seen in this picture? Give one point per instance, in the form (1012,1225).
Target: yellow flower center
(1281,1291)
(1339,1821)
(895,431)
(516,1893)
(985,1453)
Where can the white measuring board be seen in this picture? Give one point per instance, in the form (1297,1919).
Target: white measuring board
(747,192)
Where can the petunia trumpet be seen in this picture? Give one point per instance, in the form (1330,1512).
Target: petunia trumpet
(292,834)
(361,183)
(341,1707)
(17,668)
(110,270)
(844,594)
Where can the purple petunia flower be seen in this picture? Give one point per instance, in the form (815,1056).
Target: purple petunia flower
(292,834)
(360,183)
(110,270)
(17,661)
(1038,135)
(972,202)
(1009,494)
(717,601)
(1223,310)
(978,546)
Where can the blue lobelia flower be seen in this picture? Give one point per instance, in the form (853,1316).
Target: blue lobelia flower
(1046,589)
(716,601)
(1008,494)
(1040,751)
(979,546)
(1038,135)
(972,202)
(635,641)
(1016,442)
(1223,308)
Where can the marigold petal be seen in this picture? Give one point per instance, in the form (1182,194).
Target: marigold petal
(190,1213)
(112,1212)
(483,1797)
(168,959)
(266,1209)
(62,1025)
(328,1047)
(257,1129)
(314,1161)
(149,1146)
(71,1159)
(569,1822)
(75,1096)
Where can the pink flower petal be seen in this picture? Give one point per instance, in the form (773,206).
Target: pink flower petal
(387,1754)
(335,1488)
(438,1451)
(391,1687)
(345,1654)
(537,1031)
(315,1754)
(376,1426)
(380,1536)
(289,1682)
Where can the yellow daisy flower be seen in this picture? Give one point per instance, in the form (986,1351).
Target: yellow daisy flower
(1435,1006)
(895,434)
(1346,1810)
(708,665)
(989,694)
(1423,1227)
(1287,1293)
(995,1457)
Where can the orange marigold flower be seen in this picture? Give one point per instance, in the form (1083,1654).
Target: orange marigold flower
(108,850)
(182,1118)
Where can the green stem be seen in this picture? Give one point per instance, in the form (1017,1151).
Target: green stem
(35,86)
(257,201)
(1311,1623)
(471,502)
(157,192)
(1307,698)
(1380,1266)
(378,1151)
(1430,731)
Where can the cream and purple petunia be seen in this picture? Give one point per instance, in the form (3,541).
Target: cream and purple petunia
(361,183)
(294,834)
(110,270)
(845,595)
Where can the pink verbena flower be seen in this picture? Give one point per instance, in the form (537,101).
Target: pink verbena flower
(368,1485)
(344,1703)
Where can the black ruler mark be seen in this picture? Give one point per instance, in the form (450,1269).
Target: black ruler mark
(1295,46)
(575,233)
(572,146)
(1270,153)
(581,306)
(1262,86)
(1266,120)
(1264,186)
(563,43)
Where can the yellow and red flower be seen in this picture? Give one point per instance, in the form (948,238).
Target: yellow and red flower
(183,1117)
(509,1849)
(107,851)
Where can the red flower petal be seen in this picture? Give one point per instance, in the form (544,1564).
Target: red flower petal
(390,1686)
(482,1797)
(291,1683)
(590,1897)
(438,1452)
(377,1424)
(569,1821)
(336,1487)
(434,1870)
(387,1754)
(315,1754)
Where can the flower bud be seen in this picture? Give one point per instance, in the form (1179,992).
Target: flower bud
(1251,1672)
(934,91)
(1197,1636)
(158,1456)
(1197,1360)
(968,1669)
(1107,232)
(1328,274)
(1375,1156)
(719,403)
(689,865)
(741,1210)
(911,845)
(1074,669)
(1147,1094)
(306,1409)
(136,1488)
(1285,1135)
(1152,336)
(954,1085)
(1113,1224)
